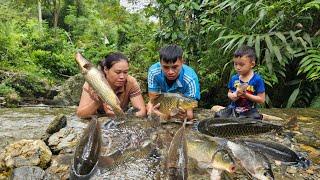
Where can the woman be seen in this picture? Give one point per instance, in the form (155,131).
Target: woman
(115,67)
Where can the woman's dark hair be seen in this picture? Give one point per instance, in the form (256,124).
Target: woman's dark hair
(112,58)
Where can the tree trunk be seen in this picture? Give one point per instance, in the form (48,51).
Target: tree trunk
(56,12)
(39,13)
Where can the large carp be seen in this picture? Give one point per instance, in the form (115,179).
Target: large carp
(254,162)
(177,160)
(99,83)
(207,155)
(277,152)
(87,153)
(230,127)
(170,103)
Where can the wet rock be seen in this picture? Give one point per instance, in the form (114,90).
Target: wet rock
(25,153)
(60,166)
(70,91)
(28,172)
(66,139)
(57,123)
(308,138)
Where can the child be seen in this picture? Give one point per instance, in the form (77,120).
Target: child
(246,88)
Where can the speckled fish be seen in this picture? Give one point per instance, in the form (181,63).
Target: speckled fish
(99,83)
(171,102)
(277,152)
(254,162)
(87,153)
(177,160)
(230,127)
(204,151)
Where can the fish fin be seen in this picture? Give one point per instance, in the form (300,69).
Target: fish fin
(174,112)
(87,66)
(105,161)
(215,174)
(292,123)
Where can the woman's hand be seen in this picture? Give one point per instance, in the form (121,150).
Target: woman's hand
(108,110)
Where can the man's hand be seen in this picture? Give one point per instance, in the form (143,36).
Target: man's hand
(182,114)
(155,110)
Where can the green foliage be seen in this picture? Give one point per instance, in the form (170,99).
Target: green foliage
(45,51)
(283,34)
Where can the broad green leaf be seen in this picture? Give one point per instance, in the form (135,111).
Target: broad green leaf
(257,46)
(241,41)
(172,7)
(293,36)
(306,37)
(195,6)
(269,43)
(303,43)
(268,60)
(277,53)
(250,40)
(246,9)
(281,37)
(293,97)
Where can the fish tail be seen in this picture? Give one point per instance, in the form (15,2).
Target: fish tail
(304,163)
(195,126)
(292,123)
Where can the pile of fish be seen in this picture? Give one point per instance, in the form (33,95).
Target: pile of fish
(213,143)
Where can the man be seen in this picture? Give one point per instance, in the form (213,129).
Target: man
(171,75)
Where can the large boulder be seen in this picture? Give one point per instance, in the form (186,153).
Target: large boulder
(28,172)
(60,165)
(25,153)
(70,91)
(65,140)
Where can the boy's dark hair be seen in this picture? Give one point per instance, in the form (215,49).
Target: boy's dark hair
(245,51)
(171,53)
(109,60)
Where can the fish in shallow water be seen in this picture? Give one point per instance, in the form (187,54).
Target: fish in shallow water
(230,127)
(277,152)
(177,160)
(170,103)
(87,153)
(206,153)
(254,162)
(99,83)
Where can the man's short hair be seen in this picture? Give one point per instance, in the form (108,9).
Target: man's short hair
(171,53)
(245,51)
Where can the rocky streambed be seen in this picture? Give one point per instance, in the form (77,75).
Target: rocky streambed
(32,147)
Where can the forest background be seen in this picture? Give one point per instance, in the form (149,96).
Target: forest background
(38,38)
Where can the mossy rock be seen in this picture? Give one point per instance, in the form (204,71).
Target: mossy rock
(70,92)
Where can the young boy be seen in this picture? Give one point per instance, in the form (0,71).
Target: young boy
(246,88)
(171,75)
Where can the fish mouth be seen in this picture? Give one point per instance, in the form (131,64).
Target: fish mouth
(232,169)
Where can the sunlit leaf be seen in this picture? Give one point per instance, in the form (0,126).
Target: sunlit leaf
(281,36)
(277,53)
(257,46)
(269,43)
(293,97)
(246,9)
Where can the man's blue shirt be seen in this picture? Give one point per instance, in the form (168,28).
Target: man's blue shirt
(187,82)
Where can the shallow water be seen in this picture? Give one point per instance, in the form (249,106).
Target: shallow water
(31,123)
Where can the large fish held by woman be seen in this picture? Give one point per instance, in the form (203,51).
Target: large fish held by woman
(230,127)
(99,83)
